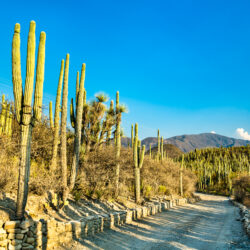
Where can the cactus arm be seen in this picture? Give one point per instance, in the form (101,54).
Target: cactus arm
(135,146)
(57,118)
(29,80)
(77,86)
(38,99)
(16,72)
(142,156)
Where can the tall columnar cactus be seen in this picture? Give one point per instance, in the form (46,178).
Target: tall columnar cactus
(138,157)
(181,173)
(150,152)
(3,114)
(78,126)
(118,143)
(132,135)
(56,119)
(77,118)
(25,117)
(64,131)
(158,145)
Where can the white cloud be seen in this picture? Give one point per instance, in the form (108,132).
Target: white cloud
(213,132)
(242,133)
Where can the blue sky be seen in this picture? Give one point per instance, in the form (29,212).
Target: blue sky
(181,66)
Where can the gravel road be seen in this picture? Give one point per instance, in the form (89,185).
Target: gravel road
(212,223)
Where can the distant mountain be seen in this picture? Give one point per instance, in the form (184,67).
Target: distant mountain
(187,143)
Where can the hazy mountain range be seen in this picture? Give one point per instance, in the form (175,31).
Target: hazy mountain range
(188,143)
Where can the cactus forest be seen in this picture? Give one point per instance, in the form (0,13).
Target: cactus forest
(81,155)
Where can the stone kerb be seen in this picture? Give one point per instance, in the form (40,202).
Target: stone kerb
(30,234)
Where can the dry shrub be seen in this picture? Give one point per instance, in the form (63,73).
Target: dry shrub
(241,187)
(41,180)
(97,175)
(163,178)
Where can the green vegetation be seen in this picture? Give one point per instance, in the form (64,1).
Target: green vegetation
(216,168)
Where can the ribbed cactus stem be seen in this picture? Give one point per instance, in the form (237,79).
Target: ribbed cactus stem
(150,152)
(63,130)
(38,97)
(78,129)
(29,80)
(51,115)
(16,72)
(138,157)
(57,118)
(77,86)
(118,143)
(23,104)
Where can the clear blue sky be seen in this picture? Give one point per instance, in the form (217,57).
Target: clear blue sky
(181,66)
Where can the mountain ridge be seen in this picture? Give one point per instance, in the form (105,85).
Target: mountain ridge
(189,142)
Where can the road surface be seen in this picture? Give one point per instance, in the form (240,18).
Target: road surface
(212,223)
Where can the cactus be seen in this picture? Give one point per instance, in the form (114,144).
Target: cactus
(23,108)
(118,143)
(138,157)
(159,145)
(63,129)
(181,172)
(150,152)
(78,127)
(132,135)
(56,119)
(3,115)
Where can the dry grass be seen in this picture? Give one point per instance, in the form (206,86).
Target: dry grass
(96,171)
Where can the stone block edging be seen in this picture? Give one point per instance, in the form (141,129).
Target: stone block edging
(30,234)
(245,213)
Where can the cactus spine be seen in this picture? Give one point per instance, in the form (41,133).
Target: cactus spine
(63,130)
(23,108)
(181,173)
(138,157)
(56,119)
(118,143)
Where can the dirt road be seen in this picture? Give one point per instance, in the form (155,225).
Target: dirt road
(212,223)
